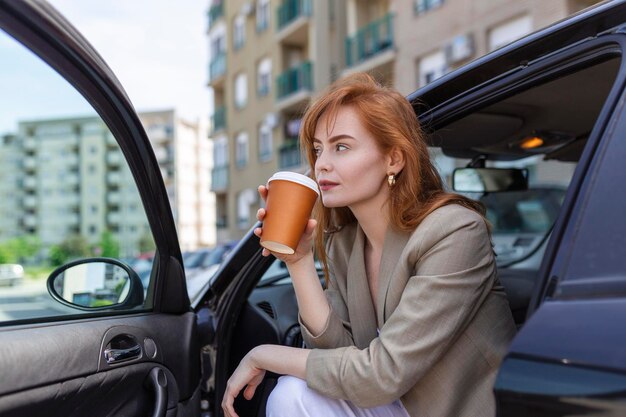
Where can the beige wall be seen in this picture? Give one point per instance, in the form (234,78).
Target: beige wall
(419,35)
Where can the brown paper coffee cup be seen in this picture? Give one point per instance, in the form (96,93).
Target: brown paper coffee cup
(290,200)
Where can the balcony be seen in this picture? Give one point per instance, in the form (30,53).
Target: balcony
(158,133)
(294,86)
(219,178)
(293,18)
(30,201)
(30,144)
(114,178)
(114,158)
(217,69)
(30,182)
(371,47)
(218,120)
(215,12)
(30,220)
(291,10)
(114,198)
(289,155)
(30,163)
(114,217)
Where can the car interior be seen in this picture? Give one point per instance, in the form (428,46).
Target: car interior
(560,111)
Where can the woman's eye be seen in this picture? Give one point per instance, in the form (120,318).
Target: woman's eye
(317,151)
(341,147)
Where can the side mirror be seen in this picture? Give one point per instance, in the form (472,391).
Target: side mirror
(489,180)
(95,284)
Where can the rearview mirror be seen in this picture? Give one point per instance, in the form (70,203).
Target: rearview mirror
(96,284)
(489,180)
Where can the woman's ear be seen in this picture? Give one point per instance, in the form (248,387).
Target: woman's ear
(395,161)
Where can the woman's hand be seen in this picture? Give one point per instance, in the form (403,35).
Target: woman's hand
(305,245)
(246,375)
(281,360)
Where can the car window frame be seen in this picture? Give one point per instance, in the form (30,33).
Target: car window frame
(568,59)
(47,34)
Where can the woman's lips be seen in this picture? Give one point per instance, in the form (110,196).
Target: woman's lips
(327,185)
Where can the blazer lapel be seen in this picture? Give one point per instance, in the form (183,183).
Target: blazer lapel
(360,307)
(395,243)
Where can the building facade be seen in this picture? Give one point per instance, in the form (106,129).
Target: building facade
(268,59)
(68,177)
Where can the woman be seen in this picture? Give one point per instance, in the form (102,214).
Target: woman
(413,320)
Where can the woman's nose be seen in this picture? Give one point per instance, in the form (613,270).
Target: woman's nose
(322,163)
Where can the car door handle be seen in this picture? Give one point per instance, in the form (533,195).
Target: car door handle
(119,355)
(158,380)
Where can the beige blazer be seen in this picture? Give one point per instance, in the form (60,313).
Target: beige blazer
(444,320)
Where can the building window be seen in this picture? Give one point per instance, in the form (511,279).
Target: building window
(244,200)
(510,31)
(241,91)
(239,31)
(264,77)
(265,143)
(220,152)
(241,150)
(422,6)
(431,67)
(262,15)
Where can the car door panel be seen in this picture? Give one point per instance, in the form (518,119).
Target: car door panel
(66,363)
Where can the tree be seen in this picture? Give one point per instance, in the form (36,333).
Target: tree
(72,247)
(19,249)
(109,246)
(146,243)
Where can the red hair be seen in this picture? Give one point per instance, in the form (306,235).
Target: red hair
(390,118)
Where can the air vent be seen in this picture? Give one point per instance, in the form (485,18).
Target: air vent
(267,307)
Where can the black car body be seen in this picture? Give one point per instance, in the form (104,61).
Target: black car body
(565,83)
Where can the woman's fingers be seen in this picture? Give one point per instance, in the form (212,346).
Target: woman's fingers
(248,393)
(263,192)
(260,214)
(310,227)
(228,401)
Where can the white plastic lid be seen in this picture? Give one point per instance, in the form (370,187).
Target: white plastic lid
(295,177)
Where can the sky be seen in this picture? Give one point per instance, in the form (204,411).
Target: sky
(157,48)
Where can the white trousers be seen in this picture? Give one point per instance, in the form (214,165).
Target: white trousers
(292,398)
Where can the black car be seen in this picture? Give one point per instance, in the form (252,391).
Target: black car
(557,95)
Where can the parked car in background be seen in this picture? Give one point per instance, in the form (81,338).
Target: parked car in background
(11,274)
(193,260)
(557,95)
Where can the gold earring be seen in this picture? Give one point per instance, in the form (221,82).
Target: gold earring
(391,179)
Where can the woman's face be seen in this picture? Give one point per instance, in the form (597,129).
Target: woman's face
(350,169)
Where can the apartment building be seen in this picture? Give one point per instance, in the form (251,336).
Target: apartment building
(66,177)
(268,59)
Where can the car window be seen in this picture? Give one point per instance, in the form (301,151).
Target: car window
(67,196)
(558,116)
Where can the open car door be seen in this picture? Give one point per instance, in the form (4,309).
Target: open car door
(116,339)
